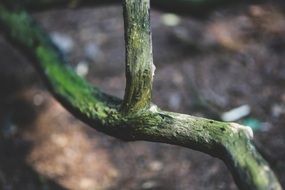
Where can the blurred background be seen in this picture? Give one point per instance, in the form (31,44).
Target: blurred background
(229,66)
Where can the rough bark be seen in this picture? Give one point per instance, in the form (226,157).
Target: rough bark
(139,61)
(228,141)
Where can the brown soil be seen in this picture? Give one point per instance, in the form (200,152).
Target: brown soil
(204,68)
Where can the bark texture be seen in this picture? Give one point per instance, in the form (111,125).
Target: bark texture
(139,61)
(228,141)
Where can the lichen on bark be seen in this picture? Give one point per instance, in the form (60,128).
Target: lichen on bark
(139,61)
(142,120)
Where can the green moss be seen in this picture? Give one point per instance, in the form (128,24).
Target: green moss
(82,96)
(144,124)
(139,56)
(72,87)
(18,21)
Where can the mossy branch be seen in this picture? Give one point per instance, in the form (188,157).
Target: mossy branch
(139,61)
(227,141)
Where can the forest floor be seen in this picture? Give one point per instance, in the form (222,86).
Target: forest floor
(205,67)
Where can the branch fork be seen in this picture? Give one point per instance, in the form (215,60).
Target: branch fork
(135,118)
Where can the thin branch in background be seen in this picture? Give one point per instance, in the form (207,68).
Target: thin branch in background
(197,8)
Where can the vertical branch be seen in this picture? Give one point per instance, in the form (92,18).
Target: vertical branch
(228,141)
(139,61)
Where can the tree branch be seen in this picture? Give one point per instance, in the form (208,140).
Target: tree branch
(227,141)
(139,61)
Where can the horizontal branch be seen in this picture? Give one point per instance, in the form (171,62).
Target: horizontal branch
(227,141)
(198,8)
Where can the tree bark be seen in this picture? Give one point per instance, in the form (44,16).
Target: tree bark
(228,141)
(139,61)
